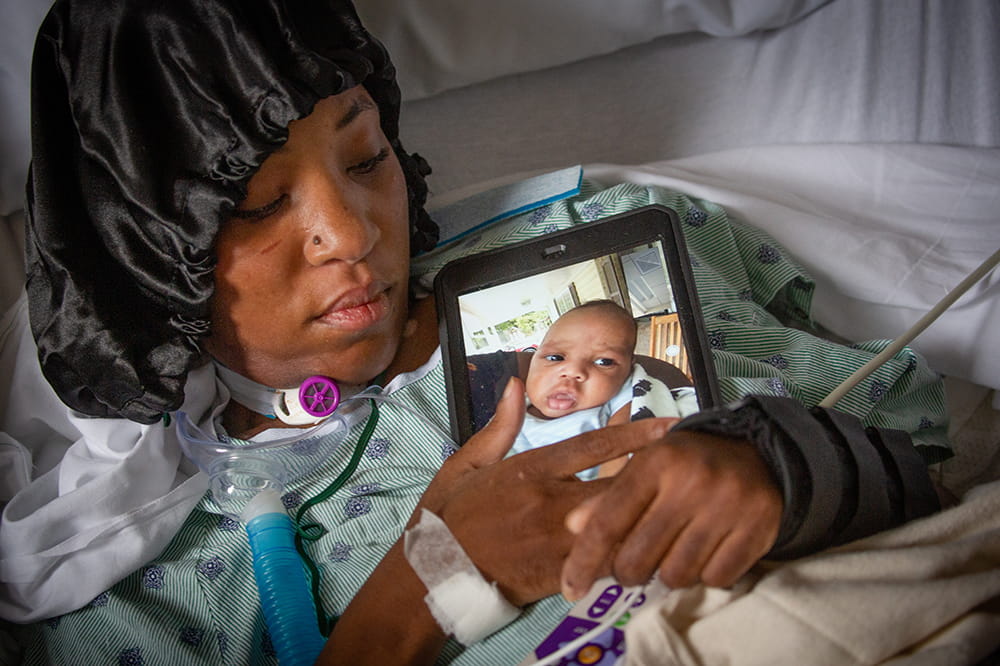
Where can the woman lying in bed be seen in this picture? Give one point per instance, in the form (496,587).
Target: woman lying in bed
(221,184)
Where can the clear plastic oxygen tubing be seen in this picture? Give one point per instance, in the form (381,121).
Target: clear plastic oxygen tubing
(281,576)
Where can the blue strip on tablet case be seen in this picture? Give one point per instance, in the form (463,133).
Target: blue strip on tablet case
(460,218)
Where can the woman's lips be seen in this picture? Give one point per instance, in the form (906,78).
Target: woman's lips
(357,310)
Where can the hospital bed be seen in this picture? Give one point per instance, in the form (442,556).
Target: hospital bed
(862,134)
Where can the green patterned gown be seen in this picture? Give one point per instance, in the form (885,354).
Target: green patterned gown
(196,603)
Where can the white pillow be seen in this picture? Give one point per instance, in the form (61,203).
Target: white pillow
(442,44)
(436,45)
(20,20)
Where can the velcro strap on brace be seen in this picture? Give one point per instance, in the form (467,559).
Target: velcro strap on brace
(825,473)
(839,480)
(871,494)
(919,498)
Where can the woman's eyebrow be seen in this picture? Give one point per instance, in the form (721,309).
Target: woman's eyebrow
(359,105)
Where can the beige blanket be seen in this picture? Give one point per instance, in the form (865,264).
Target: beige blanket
(927,593)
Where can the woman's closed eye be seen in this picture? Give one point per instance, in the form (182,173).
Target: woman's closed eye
(368,166)
(361,168)
(260,212)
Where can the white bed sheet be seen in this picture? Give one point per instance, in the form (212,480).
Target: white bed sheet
(438,45)
(886,230)
(854,71)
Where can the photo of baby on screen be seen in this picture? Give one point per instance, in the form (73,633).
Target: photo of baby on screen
(579,378)
(595,347)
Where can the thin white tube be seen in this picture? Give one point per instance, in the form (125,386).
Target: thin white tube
(915,330)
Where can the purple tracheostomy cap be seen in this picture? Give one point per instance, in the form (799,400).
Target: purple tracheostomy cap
(319,396)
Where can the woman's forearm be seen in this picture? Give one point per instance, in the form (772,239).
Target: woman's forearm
(388,621)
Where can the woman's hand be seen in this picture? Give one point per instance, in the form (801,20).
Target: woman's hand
(691,507)
(509,514)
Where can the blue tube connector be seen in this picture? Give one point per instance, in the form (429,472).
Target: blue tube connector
(282,582)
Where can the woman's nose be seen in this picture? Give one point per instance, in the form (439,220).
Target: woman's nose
(338,224)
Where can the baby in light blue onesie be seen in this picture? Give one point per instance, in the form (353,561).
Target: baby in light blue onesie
(579,379)
(584,376)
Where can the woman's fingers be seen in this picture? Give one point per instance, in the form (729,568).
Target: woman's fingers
(493,442)
(509,513)
(692,549)
(566,458)
(693,508)
(690,506)
(737,553)
(749,539)
(608,520)
(577,519)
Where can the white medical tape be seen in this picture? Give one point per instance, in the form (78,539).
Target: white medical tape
(462,602)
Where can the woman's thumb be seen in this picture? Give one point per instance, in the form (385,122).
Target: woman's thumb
(486,447)
(495,439)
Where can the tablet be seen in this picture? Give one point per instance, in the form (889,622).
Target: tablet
(495,307)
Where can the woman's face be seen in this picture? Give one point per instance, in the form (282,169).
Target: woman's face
(312,269)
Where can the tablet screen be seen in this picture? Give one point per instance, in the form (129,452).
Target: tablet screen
(568,295)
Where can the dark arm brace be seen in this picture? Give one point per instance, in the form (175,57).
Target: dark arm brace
(840,481)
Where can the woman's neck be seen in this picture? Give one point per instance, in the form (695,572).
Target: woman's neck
(243,423)
(418,342)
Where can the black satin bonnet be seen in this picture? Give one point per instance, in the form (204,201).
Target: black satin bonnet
(148,119)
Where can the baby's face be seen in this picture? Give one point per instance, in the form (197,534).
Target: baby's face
(582,362)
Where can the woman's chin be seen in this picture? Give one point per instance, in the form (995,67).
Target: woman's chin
(361,365)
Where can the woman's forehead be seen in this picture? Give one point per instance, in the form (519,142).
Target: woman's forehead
(333,113)
(334,120)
